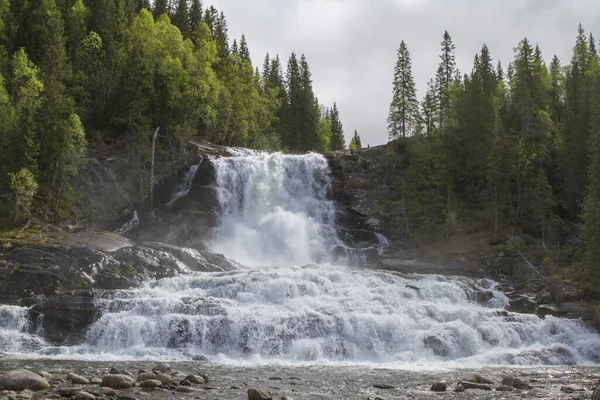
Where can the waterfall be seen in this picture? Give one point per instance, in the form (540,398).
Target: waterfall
(275,209)
(184,186)
(129,226)
(292,304)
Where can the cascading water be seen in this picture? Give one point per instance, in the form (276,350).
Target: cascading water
(293,306)
(184,186)
(275,209)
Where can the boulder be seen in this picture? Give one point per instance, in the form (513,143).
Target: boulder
(164,379)
(476,378)
(195,379)
(144,376)
(162,367)
(515,382)
(84,396)
(470,385)
(78,379)
(438,386)
(255,394)
(20,379)
(150,384)
(117,381)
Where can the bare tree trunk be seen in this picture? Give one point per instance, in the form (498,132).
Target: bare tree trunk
(152,168)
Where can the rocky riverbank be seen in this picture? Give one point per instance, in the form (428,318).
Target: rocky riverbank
(128,381)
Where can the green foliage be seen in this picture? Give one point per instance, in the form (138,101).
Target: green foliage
(24,187)
(117,70)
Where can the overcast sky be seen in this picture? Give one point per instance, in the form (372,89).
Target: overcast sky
(351,45)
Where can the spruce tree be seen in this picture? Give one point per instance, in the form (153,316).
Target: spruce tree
(244,52)
(444,77)
(181,18)
(355,143)
(403,113)
(294,90)
(195,14)
(160,8)
(338,142)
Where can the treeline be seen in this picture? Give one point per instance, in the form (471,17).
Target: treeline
(520,141)
(77,74)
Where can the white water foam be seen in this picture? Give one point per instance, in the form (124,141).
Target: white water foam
(275,209)
(326,314)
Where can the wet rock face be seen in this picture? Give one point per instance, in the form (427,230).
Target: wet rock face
(364,198)
(61,278)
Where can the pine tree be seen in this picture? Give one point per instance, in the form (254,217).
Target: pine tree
(445,75)
(181,18)
(338,142)
(309,111)
(141,4)
(195,14)
(403,113)
(294,90)
(355,143)
(160,8)
(244,52)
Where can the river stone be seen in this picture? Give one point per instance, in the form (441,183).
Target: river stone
(162,367)
(20,379)
(150,384)
(504,388)
(144,376)
(164,379)
(84,396)
(108,392)
(383,386)
(45,375)
(476,378)
(25,395)
(255,394)
(471,385)
(95,381)
(78,379)
(184,389)
(195,379)
(117,381)
(515,382)
(438,387)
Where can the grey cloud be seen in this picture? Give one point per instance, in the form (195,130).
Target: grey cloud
(351,44)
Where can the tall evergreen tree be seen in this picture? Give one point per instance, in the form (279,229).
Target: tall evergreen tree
(160,8)
(338,141)
(195,14)
(445,75)
(404,108)
(355,143)
(181,19)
